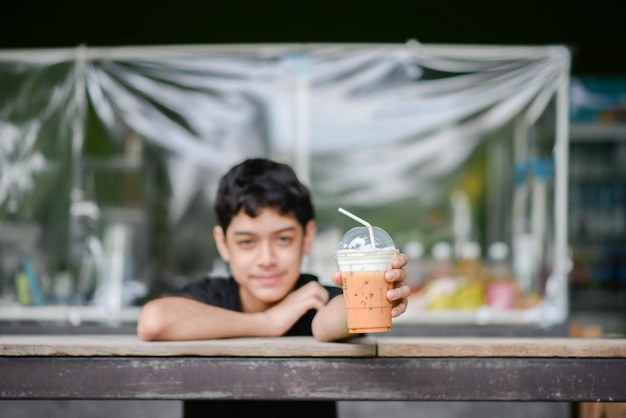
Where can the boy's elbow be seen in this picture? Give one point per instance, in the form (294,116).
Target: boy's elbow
(150,326)
(322,333)
(324,338)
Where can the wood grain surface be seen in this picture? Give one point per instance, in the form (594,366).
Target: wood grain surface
(502,347)
(131,345)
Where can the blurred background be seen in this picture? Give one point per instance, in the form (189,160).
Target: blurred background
(117,119)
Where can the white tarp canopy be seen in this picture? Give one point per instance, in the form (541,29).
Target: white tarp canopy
(373,127)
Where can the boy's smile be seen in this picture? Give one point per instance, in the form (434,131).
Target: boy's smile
(264,254)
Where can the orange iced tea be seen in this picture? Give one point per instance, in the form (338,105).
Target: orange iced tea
(367,307)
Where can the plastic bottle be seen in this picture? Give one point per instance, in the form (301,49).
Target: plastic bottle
(498,261)
(470,265)
(502,289)
(442,285)
(471,276)
(442,264)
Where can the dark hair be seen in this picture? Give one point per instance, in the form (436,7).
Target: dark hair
(259,183)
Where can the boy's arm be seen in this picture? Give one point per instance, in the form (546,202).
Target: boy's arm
(179,318)
(330,323)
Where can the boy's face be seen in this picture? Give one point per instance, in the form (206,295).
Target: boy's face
(265,255)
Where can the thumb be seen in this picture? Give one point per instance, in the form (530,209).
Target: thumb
(336,278)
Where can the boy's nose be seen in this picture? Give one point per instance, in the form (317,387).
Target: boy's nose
(267,255)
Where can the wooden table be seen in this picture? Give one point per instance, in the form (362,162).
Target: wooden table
(298,368)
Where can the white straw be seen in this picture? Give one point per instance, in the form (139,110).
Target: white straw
(362,221)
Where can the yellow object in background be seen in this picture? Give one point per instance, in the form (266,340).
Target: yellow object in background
(23,291)
(470,295)
(440,293)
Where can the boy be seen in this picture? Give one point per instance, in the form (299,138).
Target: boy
(266,225)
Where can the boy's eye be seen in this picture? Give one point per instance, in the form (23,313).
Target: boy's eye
(284,239)
(245,243)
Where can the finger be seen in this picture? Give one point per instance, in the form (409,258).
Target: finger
(316,301)
(306,292)
(398,293)
(399,261)
(336,278)
(319,304)
(400,308)
(323,295)
(404,291)
(395,275)
(316,290)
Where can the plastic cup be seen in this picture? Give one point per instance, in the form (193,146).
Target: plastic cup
(362,266)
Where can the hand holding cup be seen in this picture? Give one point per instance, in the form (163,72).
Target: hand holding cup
(365,257)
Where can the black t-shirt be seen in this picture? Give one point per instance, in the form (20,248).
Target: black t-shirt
(224,292)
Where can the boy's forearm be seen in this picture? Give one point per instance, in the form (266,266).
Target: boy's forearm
(177,318)
(330,323)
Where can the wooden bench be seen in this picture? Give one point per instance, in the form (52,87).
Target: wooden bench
(299,368)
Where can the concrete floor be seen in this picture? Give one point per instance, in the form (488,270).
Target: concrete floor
(89,409)
(352,409)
